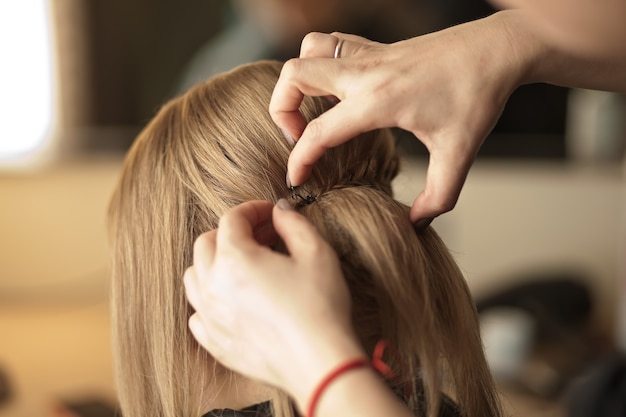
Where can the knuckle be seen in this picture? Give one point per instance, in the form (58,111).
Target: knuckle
(443,203)
(314,130)
(291,69)
(275,110)
(204,249)
(201,244)
(310,41)
(188,277)
(225,221)
(370,60)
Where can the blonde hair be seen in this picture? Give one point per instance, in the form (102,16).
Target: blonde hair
(215,147)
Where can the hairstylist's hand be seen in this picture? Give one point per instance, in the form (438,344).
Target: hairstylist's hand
(448,88)
(282,319)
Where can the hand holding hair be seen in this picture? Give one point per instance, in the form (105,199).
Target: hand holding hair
(303,320)
(437,86)
(448,88)
(293,309)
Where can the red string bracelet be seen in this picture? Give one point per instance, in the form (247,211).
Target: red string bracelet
(347,366)
(377,363)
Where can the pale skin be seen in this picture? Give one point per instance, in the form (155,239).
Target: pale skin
(299,315)
(284,320)
(375,90)
(448,88)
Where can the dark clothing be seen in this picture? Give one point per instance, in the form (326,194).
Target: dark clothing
(258,410)
(447,409)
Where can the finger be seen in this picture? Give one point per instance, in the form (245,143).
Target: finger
(447,171)
(315,76)
(354,39)
(318,45)
(238,225)
(301,238)
(197,291)
(322,45)
(300,77)
(197,329)
(190,283)
(206,337)
(204,249)
(312,77)
(266,235)
(213,337)
(285,109)
(338,125)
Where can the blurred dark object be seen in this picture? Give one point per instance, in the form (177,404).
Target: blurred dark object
(532,126)
(5,388)
(137,49)
(555,300)
(559,307)
(601,392)
(125,59)
(89,407)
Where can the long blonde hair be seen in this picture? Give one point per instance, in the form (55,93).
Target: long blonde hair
(215,147)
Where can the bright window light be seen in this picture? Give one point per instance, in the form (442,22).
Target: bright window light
(26,79)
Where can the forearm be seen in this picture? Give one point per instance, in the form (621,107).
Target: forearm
(541,57)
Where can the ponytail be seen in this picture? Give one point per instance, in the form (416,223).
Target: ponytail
(407,290)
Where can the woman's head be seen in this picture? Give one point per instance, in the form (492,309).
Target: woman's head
(215,147)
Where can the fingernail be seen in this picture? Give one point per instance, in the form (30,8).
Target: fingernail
(332,100)
(423,223)
(290,139)
(287,180)
(284,204)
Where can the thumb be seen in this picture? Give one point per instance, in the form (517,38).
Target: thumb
(237,225)
(301,238)
(447,171)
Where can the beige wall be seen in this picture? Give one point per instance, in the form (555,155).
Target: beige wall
(54,335)
(54,319)
(515,218)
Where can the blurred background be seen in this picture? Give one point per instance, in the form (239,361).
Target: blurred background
(539,230)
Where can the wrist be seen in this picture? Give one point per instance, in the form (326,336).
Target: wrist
(323,385)
(320,357)
(359,392)
(535,55)
(528,57)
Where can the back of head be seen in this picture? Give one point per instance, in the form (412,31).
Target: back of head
(215,147)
